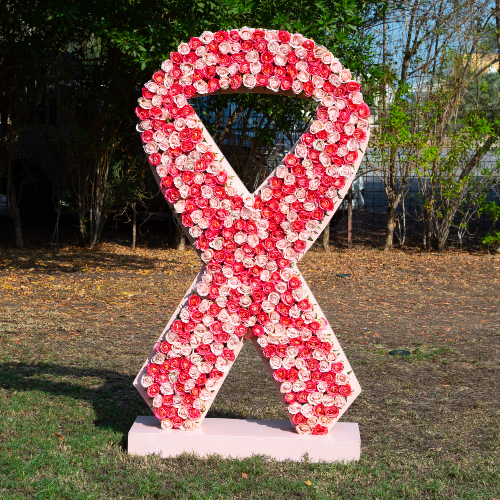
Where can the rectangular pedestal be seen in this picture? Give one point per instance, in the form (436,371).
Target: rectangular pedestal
(244,438)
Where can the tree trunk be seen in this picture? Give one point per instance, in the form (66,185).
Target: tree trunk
(134,225)
(181,239)
(326,238)
(391,217)
(14,210)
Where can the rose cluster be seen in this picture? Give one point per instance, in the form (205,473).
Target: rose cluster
(250,243)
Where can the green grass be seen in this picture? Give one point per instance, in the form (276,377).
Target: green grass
(71,344)
(39,403)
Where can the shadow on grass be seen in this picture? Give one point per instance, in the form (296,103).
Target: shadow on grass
(115,401)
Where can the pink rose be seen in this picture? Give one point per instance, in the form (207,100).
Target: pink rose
(188,425)
(297,87)
(206,37)
(246,33)
(249,80)
(314,398)
(166,424)
(294,408)
(345,75)
(303,429)
(342,378)
(274,84)
(147,381)
(296,40)
(307,410)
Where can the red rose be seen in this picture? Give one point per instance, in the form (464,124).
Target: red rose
(360,135)
(165,347)
(308,44)
(228,354)
(280,374)
(302,397)
(311,384)
(203,349)
(326,204)
(194,414)
(319,430)
(141,113)
(269,351)
(262,80)
(155,159)
(194,43)
(345,390)
(258,331)
(312,364)
(176,421)
(241,330)
(153,369)
(352,86)
(337,367)
(338,182)
(220,36)
(160,413)
(211,358)
(351,157)
(284,36)
(153,390)
(187,221)
(299,246)
(319,410)
(363,111)
(216,374)
(159,76)
(308,88)
(147,136)
(213,85)
(332,412)
(236,81)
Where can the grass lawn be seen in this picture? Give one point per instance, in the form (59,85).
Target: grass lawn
(76,326)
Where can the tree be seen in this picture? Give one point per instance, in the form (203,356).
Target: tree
(98,52)
(30,43)
(427,52)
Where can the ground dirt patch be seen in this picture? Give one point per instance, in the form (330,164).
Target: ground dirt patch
(75,327)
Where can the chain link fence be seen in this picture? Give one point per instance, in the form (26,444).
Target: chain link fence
(42,176)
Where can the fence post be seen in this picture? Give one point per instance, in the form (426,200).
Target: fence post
(349,218)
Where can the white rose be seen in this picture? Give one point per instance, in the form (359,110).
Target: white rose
(294,408)
(147,380)
(275,362)
(314,398)
(286,387)
(297,87)
(206,37)
(205,394)
(212,384)
(307,410)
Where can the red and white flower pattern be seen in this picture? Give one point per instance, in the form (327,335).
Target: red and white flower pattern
(250,243)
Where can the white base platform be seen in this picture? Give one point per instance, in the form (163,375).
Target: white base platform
(244,438)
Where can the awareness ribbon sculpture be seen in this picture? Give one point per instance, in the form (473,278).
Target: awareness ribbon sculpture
(251,243)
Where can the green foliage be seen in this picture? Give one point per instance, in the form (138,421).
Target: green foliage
(492,239)
(98,54)
(493,210)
